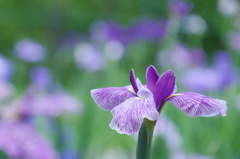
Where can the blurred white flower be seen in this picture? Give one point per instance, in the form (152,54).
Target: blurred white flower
(194,24)
(180,57)
(114,50)
(6,90)
(88,58)
(228,7)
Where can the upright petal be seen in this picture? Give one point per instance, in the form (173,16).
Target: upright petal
(152,77)
(133,81)
(164,88)
(108,98)
(129,115)
(194,104)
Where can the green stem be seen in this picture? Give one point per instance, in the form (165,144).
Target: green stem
(145,140)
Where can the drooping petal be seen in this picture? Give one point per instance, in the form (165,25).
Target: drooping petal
(164,88)
(152,77)
(133,80)
(129,115)
(108,98)
(194,104)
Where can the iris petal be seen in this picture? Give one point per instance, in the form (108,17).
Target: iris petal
(152,77)
(133,80)
(108,98)
(194,104)
(129,115)
(165,86)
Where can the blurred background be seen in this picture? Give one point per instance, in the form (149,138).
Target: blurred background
(52,53)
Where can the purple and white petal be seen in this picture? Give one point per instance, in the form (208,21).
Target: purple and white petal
(165,86)
(143,91)
(152,77)
(194,104)
(129,115)
(108,98)
(133,81)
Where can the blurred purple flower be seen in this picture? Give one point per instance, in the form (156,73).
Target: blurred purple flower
(30,51)
(200,79)
(103,31)
(142,30)
(198,57)
(177,57)
(131,104)
(222,74)
(148,30)
(70,154)
(88,58)
(15,111)
(20,140)
(180,57)
(70,39)
(226,70)
(180,7)
(51,105)
(6,68)
(116,32)
(41,76)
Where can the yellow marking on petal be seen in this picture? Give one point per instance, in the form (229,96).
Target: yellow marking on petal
(132,90)
(173,96)
(139,97)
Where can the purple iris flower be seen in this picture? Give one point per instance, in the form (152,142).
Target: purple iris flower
(131,104)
